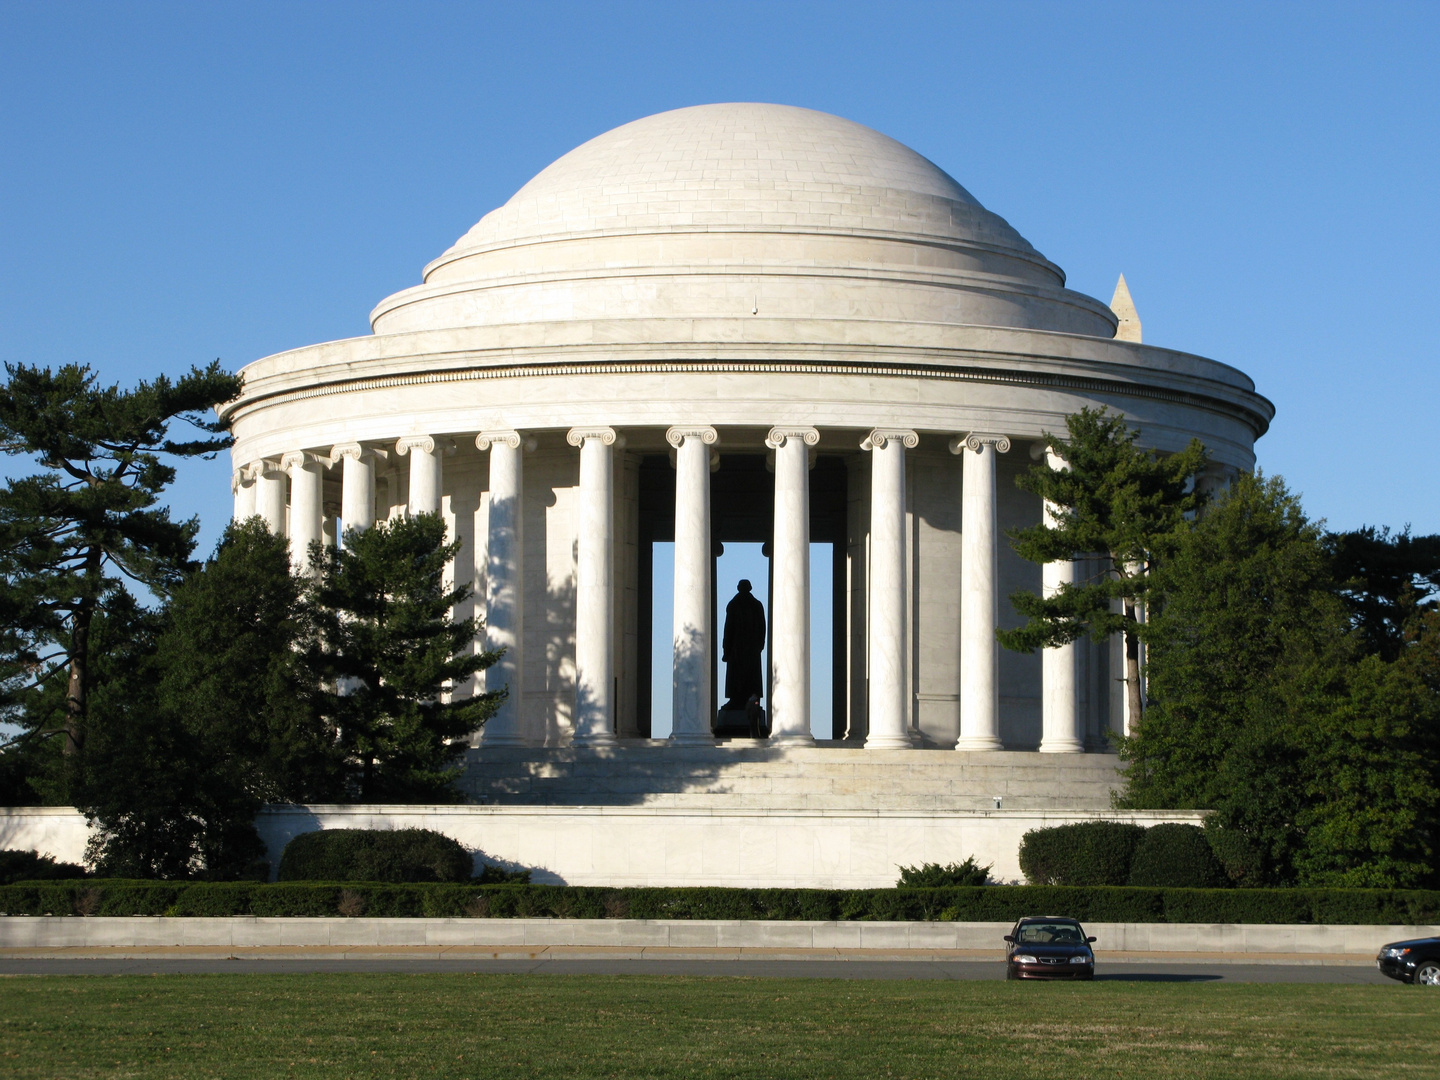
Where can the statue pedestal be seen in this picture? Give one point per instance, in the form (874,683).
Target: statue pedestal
(739,724)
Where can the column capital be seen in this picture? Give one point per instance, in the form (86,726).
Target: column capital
(424,443)
(977,441)
(264,467)
(340,451)
(879,437)
(298,459)
(678,434)
(778,436)
(503,437)
(331,509)
(238,478)
(576,436)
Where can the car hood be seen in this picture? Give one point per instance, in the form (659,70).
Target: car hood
(1054,950)
(1413,943)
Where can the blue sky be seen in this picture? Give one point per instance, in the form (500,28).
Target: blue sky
(181,182)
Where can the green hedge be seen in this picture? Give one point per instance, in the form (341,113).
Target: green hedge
(984,904)
(1086,853)
(390,855)
(1176,856)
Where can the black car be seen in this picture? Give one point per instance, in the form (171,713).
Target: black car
(1415,961)
(1048,947)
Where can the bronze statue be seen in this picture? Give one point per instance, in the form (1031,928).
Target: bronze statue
(743,640)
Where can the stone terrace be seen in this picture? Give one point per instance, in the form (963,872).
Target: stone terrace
(743,775)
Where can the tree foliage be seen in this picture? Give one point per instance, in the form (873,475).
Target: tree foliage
(389,656)
(88,518)
(1318,760)
(1387,580)
(1112,499)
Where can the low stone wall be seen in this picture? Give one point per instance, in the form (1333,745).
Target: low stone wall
(657,845)
(649,845)
(1299,942)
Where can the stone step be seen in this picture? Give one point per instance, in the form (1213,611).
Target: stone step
(769,778)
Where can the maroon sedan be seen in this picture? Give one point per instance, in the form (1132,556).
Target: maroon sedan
(1048,947)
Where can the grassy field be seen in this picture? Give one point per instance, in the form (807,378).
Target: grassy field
(442,1026)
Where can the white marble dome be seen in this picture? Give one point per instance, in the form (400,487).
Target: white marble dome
(865,356)
(719,210)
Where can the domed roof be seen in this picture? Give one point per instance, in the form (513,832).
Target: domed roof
(724,211)
(742,165)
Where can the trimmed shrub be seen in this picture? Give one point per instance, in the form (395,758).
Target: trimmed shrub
(1176,856)
(992,903)
(1087,853)
(400,855)
(16,865)
(934,876)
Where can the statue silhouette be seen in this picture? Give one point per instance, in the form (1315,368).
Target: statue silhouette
(743,640)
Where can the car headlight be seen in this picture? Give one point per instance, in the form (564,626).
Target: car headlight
(1080,959)
(1024,958)
(1393,952)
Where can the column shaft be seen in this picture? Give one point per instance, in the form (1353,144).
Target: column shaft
(693,709)
(505,586)
(425,473)
(357,487)
(594,589)
(307,506)
(979,651)
(270,496)
(790,614)
(889,728)
(1060,713)
(244,489)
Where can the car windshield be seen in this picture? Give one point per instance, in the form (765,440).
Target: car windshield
(1050,933)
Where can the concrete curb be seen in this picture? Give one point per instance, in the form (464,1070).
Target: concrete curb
(527,937)
(461,953)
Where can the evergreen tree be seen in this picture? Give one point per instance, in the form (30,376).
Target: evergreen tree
(232,668)
(212,717)
(1115,500)
(88,520)
(1317,761)
(389,654)
(1386,580)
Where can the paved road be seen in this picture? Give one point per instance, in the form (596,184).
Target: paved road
(825,969)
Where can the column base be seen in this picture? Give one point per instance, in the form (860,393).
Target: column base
(487,739)
(1062,746)
(592,741)
(979,742)
(691,738)
(790,740)
(889,742)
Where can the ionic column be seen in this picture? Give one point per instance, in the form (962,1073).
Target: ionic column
(425,473)
(889,728)
(979,651)
(270,495)
(693,563)
(595,589)
(244,490)
(307,505)
(505,585)
(357,486)
(1059,708)
(790,601)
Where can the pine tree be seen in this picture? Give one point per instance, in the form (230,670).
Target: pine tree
(1114,500)
(87,521)
(391,656)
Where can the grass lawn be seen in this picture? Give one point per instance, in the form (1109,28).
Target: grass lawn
(440,1026)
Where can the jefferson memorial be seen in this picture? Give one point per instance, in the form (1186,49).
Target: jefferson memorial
(738,324)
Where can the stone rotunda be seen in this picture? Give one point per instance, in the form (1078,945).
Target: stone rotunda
(724,324)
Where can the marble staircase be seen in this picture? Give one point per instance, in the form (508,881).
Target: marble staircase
(745,775)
